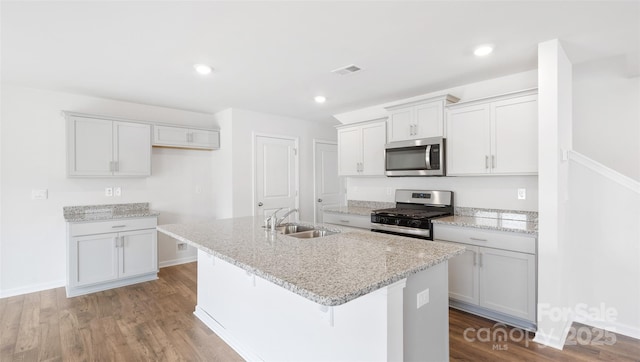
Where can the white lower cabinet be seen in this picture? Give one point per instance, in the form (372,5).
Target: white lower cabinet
(490,281)
(100,259)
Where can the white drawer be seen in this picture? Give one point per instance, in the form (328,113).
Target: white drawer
(112,226)
(356,221)
(485,238)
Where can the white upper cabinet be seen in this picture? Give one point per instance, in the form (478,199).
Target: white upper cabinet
(105,148)
(361,149)
(421,119)
(180,137)
(494,136)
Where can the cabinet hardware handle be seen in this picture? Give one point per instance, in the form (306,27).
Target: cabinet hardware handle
(115,242)
(493,161)
(486,161)
(117,164)
(480,256)
(122,241)
(478,239)
(260,204)
(118,226)
(415,129)
(319,200)
(475,256)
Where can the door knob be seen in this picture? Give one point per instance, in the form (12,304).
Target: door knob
(319,200)
(260,204)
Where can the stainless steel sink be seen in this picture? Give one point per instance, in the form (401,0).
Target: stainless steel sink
(303,231)
(313,234)
(293,228)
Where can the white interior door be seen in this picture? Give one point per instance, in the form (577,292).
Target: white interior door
(327,185)
(276,175)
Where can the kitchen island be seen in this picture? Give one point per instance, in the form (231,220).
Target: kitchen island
(353,295)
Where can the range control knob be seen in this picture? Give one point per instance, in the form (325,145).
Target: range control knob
(415,223)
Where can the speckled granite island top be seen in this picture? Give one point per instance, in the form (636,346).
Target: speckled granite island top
(107,212)
(330,270)
(525,222)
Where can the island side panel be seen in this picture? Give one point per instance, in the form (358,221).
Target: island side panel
(426,329)
(244,310)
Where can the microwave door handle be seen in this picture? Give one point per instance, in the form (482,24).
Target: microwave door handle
(427,157)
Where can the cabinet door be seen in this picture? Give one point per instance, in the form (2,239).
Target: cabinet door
(515,130)
(93,259)
(373,141)
(349,151)
(204,139)
(463,276)
(138,252)
(401,125)
(429,120)
(170,136)
(132,149)
(89,147)
(507,282)
(468,140)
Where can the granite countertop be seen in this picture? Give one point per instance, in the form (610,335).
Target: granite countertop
(525,222)
(107,212)
(356,207)
(330,270)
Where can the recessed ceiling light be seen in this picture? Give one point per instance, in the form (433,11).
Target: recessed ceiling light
(483,50)
(202,68)
(320,99)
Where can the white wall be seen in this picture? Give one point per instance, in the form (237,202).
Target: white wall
(484,192)
(603,262)
(554,135)
(244,124)
(498,192)
(32,238)
(606,104)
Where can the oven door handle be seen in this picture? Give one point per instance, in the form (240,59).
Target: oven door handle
(427,157)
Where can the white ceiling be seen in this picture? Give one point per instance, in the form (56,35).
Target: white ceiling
(274,57)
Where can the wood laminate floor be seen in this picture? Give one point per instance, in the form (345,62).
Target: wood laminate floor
(154,321)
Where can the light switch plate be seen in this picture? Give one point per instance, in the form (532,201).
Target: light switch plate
(108,191)
(117,191)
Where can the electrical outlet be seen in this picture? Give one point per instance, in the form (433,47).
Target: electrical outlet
(423,297)
(108,191)
(182,246)
(522,194)
(39,194)
(117,191)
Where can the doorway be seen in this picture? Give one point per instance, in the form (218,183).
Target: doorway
(276,175)
(327,185)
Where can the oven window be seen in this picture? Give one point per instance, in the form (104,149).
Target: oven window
(410,158)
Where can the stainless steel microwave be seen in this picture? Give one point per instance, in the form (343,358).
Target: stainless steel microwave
(421,157)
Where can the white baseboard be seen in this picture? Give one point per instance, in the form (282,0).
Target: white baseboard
(188,259)
(552,340)
(31,288)
(615,327)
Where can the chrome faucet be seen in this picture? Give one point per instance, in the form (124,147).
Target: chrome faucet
(285,216)
(272,221)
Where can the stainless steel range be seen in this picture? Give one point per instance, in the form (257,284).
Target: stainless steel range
(413,213)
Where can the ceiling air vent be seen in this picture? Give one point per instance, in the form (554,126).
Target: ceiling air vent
(346,70)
